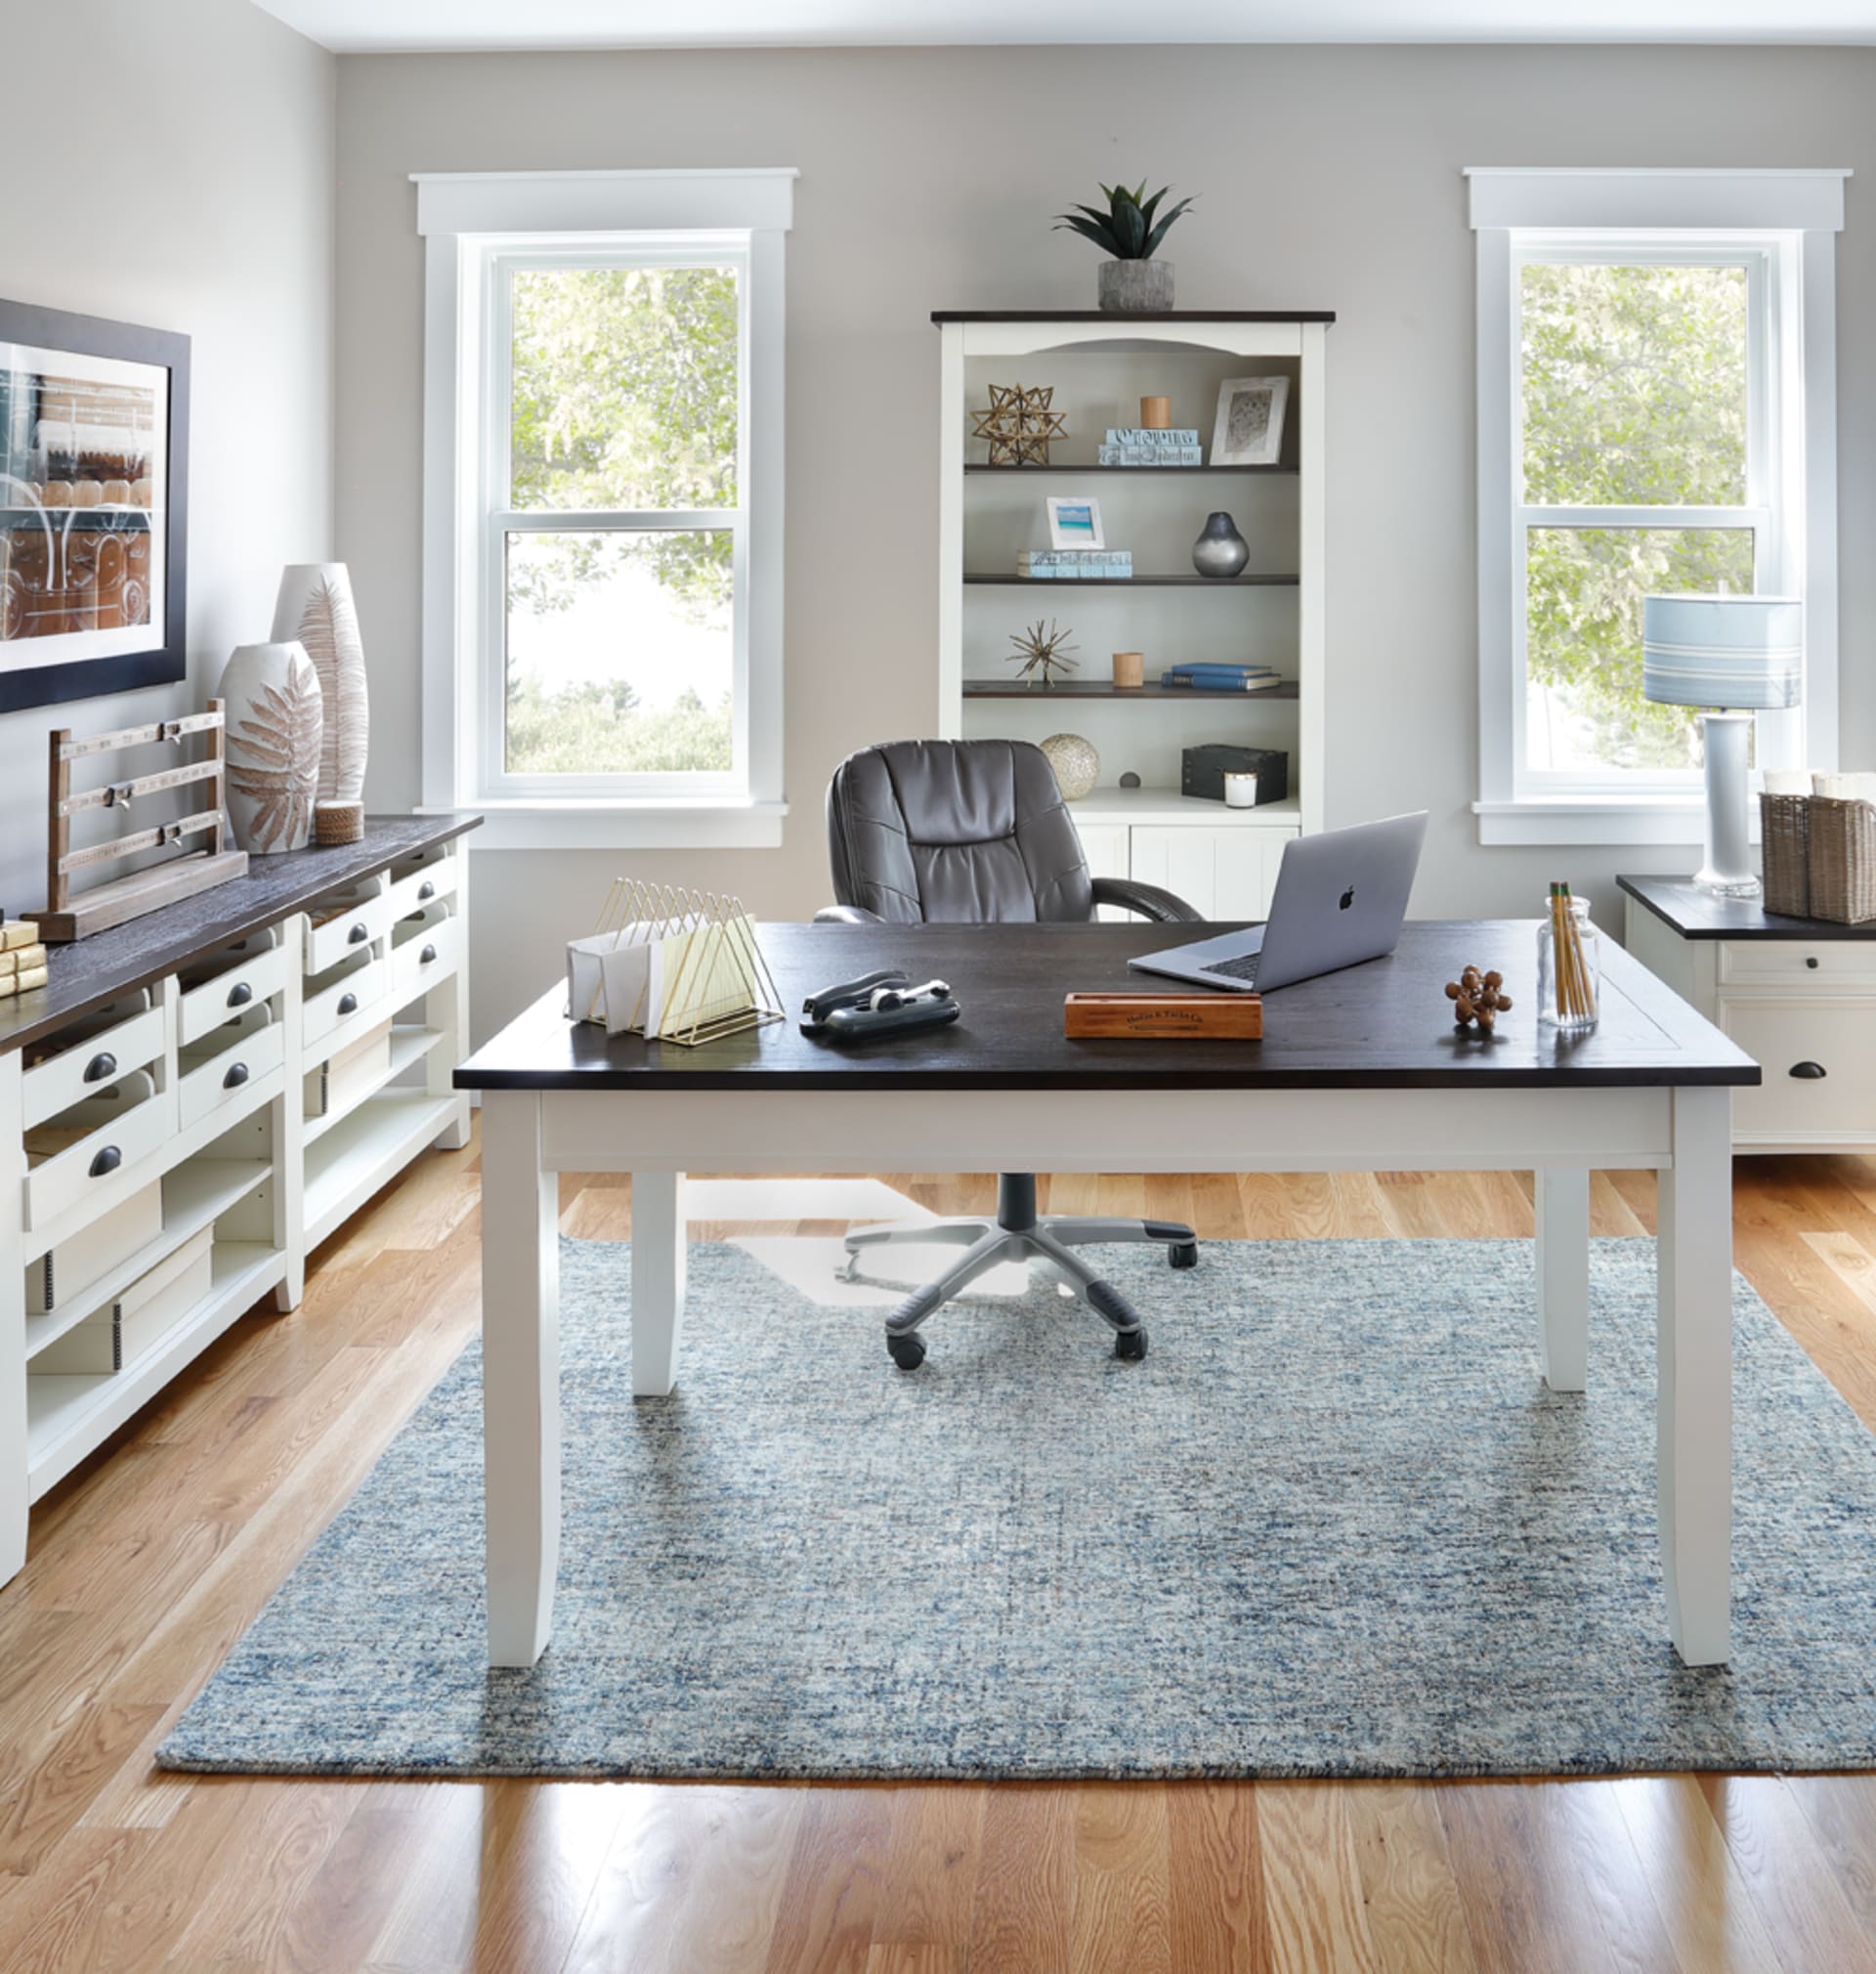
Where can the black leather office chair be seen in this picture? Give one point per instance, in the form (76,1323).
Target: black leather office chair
(976,833)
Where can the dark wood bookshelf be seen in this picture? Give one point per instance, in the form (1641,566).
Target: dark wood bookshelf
(1011,472)
(1101,688)
(1138,581)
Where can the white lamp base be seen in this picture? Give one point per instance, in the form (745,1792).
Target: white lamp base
(1727,870)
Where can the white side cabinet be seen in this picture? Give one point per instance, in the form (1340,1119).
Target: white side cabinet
(197,1100)
(1224,863)
(1798,994)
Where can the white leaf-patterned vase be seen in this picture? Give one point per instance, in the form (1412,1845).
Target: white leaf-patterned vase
(315,610)
(270,694)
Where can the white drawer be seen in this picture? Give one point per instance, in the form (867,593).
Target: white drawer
(354,924)
(228,1076)
(412,888)
(205,1007)
(1827,964)
(352,997)
(1835,1036)
(108,1151)
(92,1065)
(429,955)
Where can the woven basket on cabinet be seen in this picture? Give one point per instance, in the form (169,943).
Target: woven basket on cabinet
(1841,859)
(1785,835)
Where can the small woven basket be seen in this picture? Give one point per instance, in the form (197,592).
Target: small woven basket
(1841,858)
(1785,835)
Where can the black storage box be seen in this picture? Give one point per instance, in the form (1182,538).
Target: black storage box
(1203,769)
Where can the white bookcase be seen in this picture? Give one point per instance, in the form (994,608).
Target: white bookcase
(1223,861)
(177,1102)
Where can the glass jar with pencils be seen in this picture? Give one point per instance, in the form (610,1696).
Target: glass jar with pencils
(1568,974)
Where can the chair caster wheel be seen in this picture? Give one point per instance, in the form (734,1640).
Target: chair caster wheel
(1130,1345)
(906,1351)
(1184,1255)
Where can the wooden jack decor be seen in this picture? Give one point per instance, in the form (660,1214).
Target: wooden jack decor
(1044,653)
(1475,998)
(67,916)
(1019,426)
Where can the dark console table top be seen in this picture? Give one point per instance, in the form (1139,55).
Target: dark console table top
(88,973)
(1382,1026)
(1699,915)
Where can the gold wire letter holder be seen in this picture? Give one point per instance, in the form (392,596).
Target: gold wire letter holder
(677,965)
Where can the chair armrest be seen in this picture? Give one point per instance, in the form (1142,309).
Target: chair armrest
(847,915)
(1148,900)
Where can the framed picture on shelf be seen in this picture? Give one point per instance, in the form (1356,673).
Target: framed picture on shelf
(94,459)
(1249,430)
(1074,522)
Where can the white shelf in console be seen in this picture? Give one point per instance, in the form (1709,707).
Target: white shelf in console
(365,1149)
(194,1195)
(410,1042)
(71,1416)
(1143,807)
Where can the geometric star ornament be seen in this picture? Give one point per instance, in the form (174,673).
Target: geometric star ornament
(1042,653)
(1019,425)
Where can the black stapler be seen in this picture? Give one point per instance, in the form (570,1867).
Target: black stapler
(879,1003)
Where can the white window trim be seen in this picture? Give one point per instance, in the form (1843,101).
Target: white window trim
(462,217)
(1797,214)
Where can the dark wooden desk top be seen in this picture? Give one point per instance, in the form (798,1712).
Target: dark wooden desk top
(1700,914)
(91,972)
(1382,1026)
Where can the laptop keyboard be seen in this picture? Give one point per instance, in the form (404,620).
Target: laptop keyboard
(1244,968)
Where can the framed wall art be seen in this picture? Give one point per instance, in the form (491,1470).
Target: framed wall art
(1249,429)
(94,478)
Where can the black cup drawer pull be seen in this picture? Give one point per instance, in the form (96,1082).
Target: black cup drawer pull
(347,1004)
(357,934)
(1812,964)
(428,954)
(107,1160)
(99,1066)
(236,1077)
(1811,1072)
(240,994)
(425,892)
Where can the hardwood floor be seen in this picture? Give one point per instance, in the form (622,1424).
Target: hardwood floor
(147,1565)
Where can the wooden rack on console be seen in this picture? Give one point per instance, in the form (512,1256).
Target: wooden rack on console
(70,916)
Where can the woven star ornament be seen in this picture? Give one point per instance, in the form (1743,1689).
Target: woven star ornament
(1019,425)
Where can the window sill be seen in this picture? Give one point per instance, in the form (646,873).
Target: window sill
(702,825)
(1598,820)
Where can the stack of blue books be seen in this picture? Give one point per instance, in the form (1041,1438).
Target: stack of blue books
(1224,678)
(1148,445)
(1052,565)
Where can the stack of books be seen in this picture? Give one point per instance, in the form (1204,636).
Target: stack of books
(1224,678)
(22,959)
(1052,565)
(1146,446)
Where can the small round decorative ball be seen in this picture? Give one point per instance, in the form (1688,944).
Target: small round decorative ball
(1077,765)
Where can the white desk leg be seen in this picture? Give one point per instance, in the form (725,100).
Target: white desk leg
(1694,1354)
(658,1280)
(1563,1276)
(519,1376)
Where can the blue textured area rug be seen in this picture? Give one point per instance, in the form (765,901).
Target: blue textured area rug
(1333,1525)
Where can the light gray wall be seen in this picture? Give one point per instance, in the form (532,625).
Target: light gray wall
(1327,178)
(182,178)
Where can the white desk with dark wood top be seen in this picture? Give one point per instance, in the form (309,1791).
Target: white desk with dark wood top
(1357,1071)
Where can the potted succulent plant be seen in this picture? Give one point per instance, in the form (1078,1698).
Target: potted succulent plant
(1132,282)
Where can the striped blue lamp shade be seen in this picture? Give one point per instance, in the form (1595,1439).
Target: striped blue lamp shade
(1723,650)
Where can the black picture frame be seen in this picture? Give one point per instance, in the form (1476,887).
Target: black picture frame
(167,663)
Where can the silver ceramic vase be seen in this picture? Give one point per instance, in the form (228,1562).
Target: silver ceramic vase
(1219,551)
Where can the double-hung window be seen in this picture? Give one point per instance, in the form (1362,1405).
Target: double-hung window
(602,505)
(1656,414)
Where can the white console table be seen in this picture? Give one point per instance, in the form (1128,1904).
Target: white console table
(156,1088)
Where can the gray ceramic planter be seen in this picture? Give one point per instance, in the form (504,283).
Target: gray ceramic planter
(1136,287)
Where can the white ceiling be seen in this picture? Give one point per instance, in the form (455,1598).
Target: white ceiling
(362,26)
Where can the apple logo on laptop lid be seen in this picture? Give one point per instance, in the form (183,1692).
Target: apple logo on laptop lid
(1346,899)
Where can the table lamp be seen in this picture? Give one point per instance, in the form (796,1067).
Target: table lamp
(1733,655)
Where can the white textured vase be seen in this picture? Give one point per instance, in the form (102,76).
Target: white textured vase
(315,610)
(271,692)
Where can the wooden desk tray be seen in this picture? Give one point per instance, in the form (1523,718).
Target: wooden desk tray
(1162,1018)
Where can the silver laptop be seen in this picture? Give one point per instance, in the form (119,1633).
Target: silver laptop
(1341,898)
